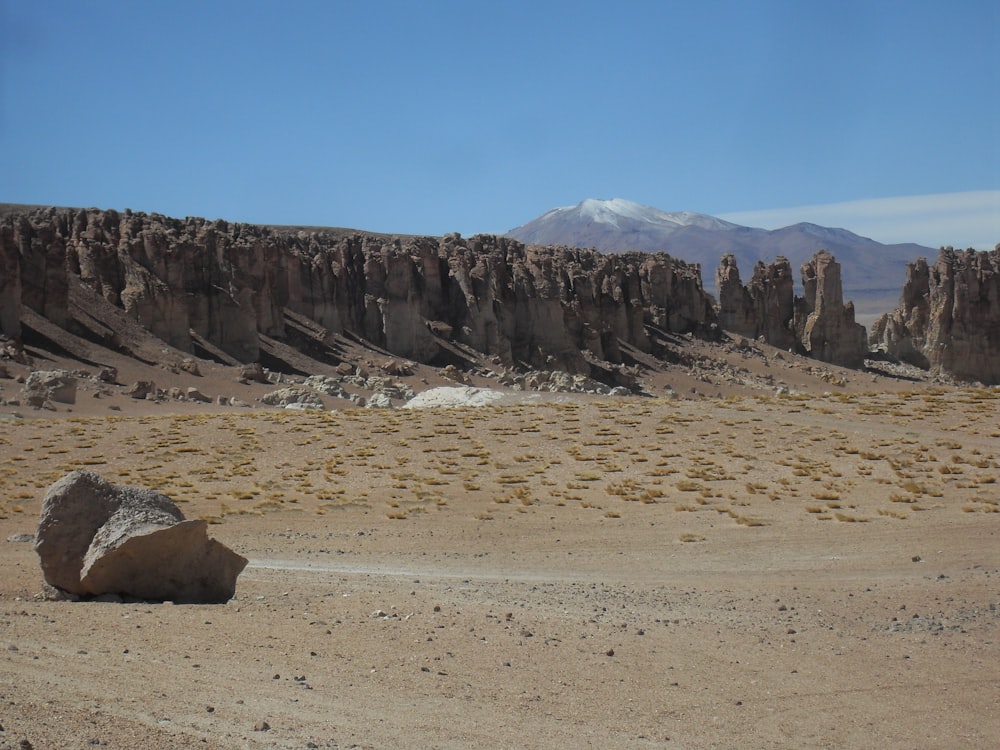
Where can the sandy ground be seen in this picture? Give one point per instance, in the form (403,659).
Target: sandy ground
(797,571)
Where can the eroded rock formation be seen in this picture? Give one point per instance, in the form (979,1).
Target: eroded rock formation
(228,284)
(818,323)
(824,325)
(948,318)
(737,308)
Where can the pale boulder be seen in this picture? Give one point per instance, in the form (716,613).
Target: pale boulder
(97,538)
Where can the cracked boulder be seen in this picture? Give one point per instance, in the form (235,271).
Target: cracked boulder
(96,538)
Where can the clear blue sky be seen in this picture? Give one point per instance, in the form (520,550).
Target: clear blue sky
(438,116)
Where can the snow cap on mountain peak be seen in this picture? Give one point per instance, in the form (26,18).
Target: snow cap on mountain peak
(611,211)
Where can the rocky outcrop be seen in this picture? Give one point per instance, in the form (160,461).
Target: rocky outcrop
(948,318)
(824,325)
(772,287)
(10,282)
(818,324)
(762,308)
(189,280)
(96,538)
(737,310)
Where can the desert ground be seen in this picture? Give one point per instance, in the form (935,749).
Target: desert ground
(816,568)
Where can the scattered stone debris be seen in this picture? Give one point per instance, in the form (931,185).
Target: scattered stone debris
(324,384)
(556,381)
(453,373)
(396,367)
(97,538)
(297,397)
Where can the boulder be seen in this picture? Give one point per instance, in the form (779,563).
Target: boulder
(379,401)
(50,385)
(141,389)
(193,394)
(96,538)
(253,373)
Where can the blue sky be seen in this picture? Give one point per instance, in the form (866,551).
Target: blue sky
(439,116)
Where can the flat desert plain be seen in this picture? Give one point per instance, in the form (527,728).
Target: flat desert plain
(816,571)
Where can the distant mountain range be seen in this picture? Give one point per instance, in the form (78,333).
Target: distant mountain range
(873,273)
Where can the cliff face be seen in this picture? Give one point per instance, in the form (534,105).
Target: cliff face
(824,325)
(229,283)
(948,318)
(818,324)
(737,308)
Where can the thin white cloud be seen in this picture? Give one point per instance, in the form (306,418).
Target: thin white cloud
(970,219)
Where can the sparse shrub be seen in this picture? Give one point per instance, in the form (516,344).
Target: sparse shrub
(692,538)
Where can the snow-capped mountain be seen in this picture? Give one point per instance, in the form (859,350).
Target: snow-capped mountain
(611,225)
(870,269)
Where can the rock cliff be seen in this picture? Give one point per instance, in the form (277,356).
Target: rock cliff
(737,309)
(818,324)
(824,325)
(948,318)
(190,280)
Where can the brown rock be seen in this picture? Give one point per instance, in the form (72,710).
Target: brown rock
(764,308)
(823,323)
(772,288)
(395,367)
(96,538)
(193,394)
(10,280)
(948,316)
(176,563)
(253,373)
(50,385)
(737,311)
(230,283)
(818,324)
(141,389)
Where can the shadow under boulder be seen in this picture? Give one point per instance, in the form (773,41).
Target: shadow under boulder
(97,538)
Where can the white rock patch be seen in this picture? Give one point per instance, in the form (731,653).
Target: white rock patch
(452,397)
